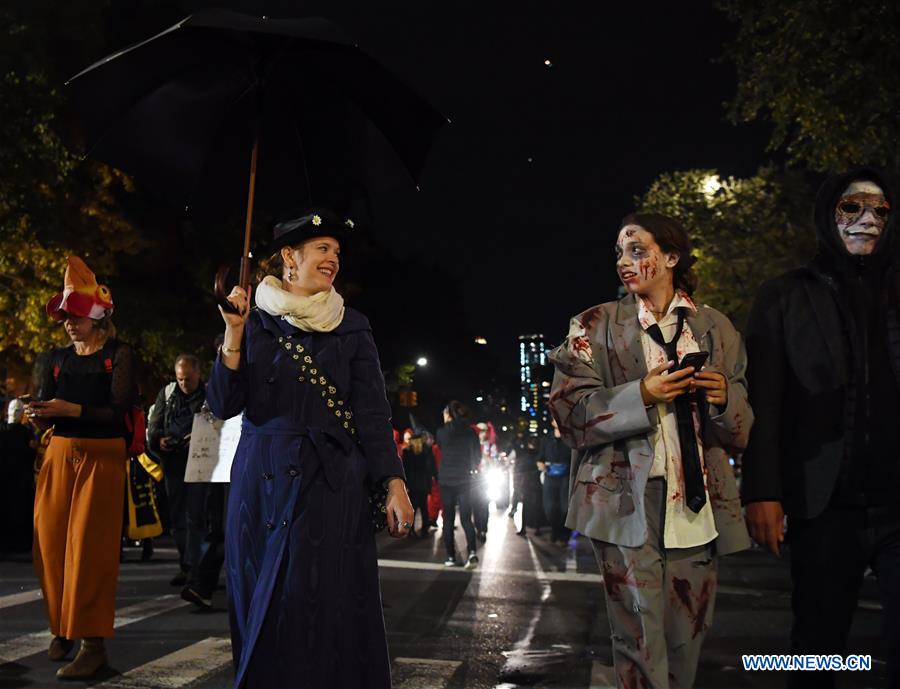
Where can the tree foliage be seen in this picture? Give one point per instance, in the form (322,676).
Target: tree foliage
(744,231)
(54,203)
(825,73)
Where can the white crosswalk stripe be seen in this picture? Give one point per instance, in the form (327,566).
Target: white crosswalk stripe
(583,577)
(178,669)
(19,598)
(13,650)
(423,673)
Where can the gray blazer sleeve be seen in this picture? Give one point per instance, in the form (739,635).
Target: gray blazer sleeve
(588,410)
(732,424)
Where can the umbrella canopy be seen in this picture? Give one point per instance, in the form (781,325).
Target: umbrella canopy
(181,112)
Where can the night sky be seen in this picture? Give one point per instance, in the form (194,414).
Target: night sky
(522,194)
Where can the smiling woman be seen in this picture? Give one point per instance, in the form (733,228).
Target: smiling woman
(301,565)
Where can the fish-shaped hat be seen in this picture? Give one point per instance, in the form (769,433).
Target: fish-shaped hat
(81,295)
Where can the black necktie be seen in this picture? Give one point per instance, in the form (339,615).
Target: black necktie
(694,491)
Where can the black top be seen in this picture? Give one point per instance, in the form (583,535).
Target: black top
(823,349)
(419,468)
(460,453)
(103,383)
(865,290)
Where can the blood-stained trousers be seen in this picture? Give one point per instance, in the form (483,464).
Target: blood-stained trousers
(659,602)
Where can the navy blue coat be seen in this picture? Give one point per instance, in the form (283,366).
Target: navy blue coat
(301,565)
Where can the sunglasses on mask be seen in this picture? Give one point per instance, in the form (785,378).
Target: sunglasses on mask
(852,208)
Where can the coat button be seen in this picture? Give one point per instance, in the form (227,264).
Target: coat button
(270,525)
(284,523)
(293,473)
(270,379)
(267,476)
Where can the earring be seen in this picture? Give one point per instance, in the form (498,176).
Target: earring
(291,274)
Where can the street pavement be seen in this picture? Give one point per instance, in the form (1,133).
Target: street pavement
(531,615)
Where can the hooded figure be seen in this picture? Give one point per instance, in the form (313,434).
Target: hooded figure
(823,346)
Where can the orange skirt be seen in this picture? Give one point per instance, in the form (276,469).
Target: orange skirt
(77,530)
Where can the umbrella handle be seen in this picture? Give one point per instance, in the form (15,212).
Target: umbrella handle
(220,286)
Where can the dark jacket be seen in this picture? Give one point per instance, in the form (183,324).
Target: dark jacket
(173,416)
(420,469)
(555,454)
(460,453)
(809,375)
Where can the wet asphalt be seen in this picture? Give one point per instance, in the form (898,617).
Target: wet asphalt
(531,614)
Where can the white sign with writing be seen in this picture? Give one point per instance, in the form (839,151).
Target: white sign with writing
(213,444)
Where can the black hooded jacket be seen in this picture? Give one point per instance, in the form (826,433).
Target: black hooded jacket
(460,453)
(823,345)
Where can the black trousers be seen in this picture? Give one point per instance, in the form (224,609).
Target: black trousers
(556,504)
(480,506)
(204,576)
(419,500)
(451,495)
(187,520)
(829,555)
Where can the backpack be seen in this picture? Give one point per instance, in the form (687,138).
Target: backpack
(135,420)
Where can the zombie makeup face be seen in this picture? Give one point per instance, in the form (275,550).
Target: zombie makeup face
(861,215)
(642,266)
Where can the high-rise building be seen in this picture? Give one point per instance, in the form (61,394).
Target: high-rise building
(535,374)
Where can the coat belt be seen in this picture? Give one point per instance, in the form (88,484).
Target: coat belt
(334,463)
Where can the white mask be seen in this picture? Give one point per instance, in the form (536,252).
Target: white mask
(14,411)
(861,215)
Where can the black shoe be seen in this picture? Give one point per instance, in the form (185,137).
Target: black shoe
(147,550)
(191,595)
(521,532)
(179,579)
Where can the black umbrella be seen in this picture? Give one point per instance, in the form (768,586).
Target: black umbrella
(190,111)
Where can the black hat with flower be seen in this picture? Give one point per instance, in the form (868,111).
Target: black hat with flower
(318,223)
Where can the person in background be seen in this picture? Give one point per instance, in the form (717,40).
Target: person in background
(460,455)
(529,486)
(435,504)
(419,465)
(85,395)
(480,503)
(17,451)
(553,461)
(169,431)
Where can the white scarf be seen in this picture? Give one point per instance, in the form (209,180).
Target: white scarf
(320,313)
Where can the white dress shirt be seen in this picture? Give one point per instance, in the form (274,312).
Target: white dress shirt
(683,528)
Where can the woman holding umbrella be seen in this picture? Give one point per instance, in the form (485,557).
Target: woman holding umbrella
(301,562)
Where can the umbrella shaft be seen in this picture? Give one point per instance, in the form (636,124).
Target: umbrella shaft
(251,192)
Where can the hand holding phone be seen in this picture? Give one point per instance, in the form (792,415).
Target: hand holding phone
(692,359)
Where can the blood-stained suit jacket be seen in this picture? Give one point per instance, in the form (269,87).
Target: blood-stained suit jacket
(596,400)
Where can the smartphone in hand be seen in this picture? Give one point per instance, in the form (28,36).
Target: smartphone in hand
(695,359)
